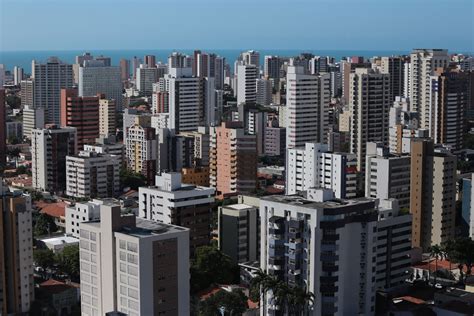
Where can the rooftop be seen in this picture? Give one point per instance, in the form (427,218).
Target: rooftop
(62,240)
(145,228)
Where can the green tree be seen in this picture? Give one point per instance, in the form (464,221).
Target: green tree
(44,258)
(44,225)
(436,252)
(232,303)
(13,140)
(211,266)
(68,261)
(14,152)
(296,300)
(131,179)
(13,101)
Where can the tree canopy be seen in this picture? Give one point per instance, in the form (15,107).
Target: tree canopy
(232,303)
(211,266)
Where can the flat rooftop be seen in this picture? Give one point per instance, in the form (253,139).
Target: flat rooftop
(238,206)
(299,200)
(61,240)
(145,228)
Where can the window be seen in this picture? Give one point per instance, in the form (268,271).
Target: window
(83,233)
(122,244)
(132,247)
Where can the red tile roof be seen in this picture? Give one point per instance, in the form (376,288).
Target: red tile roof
(56,210)
(55,287)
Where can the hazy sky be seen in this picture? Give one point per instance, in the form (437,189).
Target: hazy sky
(289,24)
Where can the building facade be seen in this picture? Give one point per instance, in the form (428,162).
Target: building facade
(133,266)
(92,175)
(49,148)
(172,202)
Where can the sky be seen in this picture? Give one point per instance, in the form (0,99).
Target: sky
(230,24)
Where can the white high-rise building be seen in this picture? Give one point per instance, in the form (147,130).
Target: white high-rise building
(246,83)
(250,57)
(351,244)
(172,202)
(49,148)
(369,105)
(191,100)
(92,175)
(32,118)
(101,80)
(81,212)
(423,64)
(387,176)
(313,166)
(17,75)
(404,126)
(307,106)
(133,266)
(49,79)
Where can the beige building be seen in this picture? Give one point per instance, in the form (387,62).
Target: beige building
(106,117)
(432,194)
(133,266)
(233,159)
(16,254)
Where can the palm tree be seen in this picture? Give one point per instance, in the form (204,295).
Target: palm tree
(436,252)
(301,300)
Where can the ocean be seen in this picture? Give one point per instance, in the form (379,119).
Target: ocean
(23,58)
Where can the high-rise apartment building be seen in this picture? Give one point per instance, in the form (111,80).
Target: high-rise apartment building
(387,176)
(274,141)
(272,68)
(264,92)
(423,63)
(150,61)
(17,75)
(449,102)
(432,194)
(133,266)
(233,159)
(27,92)
(313,166)
(141,148)
(467,212)
(146,77)
(246,83)
(307,107)
(92,175)
(191,100)
(104,80)
(369,106)
(107,117)
(32,118)
(49,78)
(250,57)
(395,67)
(3,136)
(81,113)
(404,126)
(294,231)
(239,232)
(81,212)
(49,148)
(124,69)
(171,202)
(16,253)
(108,145)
